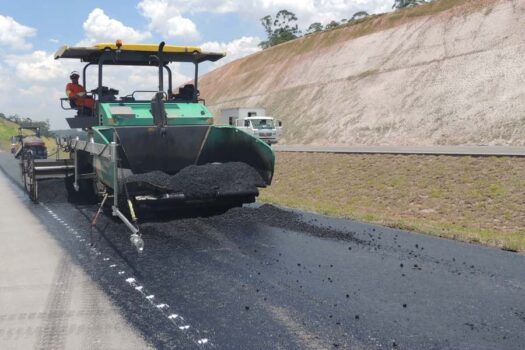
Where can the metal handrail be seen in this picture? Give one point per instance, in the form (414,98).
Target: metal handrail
(141,91)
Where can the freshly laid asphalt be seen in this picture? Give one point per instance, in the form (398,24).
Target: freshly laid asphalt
(262,277)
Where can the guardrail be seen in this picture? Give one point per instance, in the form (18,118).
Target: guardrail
(476,151)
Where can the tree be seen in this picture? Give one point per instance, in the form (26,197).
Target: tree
(314,28)
(281,29)
(400,4)
(332,24)
(359,15)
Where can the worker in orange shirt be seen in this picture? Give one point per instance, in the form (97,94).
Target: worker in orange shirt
(77,95)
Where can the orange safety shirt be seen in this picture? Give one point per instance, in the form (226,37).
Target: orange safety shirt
(73,89)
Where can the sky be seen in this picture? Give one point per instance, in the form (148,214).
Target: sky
(32,82)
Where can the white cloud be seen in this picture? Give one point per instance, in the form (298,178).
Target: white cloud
(100,27)
(29,97)
(166,19)
(234,49)
(14,34)
(36,66)
(307,11)
(6,82)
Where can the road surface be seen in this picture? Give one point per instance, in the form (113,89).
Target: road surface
(262,277)
(47,301)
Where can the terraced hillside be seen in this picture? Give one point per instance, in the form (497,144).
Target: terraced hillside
(450,72)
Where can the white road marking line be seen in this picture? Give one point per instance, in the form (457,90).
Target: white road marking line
(161,307)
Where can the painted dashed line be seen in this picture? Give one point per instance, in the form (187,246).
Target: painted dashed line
(162,307)
(174,318)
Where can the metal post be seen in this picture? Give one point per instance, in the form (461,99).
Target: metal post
(196,81)
(161,66)
(170,85)
(114,159)
(84,75)
(75,184)
(100,64)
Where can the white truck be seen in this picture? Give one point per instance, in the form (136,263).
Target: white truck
(254,121)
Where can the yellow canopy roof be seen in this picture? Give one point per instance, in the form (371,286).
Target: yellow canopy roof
(137,54)
(149,47)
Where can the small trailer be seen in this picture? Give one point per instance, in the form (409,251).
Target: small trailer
(31,151)
(253,121)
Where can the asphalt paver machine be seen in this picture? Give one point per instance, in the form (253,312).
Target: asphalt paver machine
(162,151)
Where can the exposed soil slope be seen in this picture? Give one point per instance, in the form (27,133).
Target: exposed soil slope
(450,72)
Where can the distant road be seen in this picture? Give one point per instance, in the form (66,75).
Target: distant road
(429,150)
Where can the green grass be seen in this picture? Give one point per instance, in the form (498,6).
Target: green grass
(477,200)
(7,130)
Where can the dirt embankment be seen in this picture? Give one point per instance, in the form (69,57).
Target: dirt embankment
(446,73)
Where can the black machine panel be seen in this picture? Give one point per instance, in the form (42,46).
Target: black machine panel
(168,149)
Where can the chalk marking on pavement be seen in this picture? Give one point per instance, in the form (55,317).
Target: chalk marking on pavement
(161,307)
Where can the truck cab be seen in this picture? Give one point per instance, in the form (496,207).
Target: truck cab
(264,128)
(252,121)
